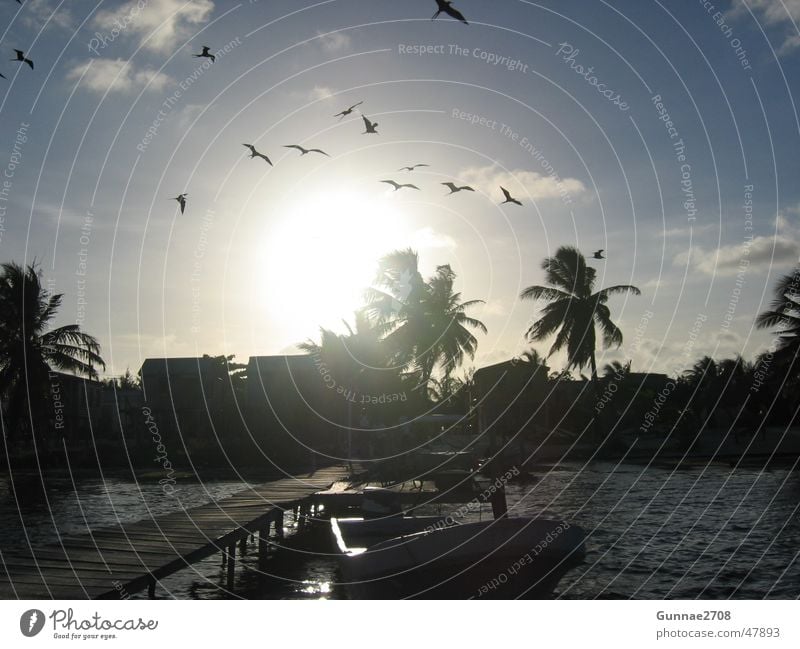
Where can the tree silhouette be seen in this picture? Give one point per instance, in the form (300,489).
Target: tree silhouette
(573,309)
(30,350)
(425,322)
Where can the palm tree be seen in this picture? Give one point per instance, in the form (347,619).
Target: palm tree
(573,309)
(29,350)
(784,314)
(425,322)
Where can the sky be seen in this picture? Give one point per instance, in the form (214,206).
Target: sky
(665,133)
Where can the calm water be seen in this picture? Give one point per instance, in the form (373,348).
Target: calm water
(704,532)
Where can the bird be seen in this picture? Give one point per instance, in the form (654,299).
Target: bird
(347,111)
(454,189)
(302,150)
(599,254)
(21,58)
(371,126)
(509,198)
(398,185)
(205,53)
(181,198)
(256,154)
(412,167)
(446,7)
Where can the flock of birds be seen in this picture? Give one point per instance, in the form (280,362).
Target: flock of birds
(371,128)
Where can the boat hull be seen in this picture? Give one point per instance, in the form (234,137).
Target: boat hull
(503,559)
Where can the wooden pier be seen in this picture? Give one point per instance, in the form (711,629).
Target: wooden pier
(115,562)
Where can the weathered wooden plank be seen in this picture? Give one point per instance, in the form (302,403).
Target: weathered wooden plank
(130,554)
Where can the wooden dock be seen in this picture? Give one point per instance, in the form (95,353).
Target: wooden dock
(114,562)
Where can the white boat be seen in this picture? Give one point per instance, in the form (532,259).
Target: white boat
(503,558)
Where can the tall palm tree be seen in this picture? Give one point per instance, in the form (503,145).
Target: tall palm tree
(29,349)
(573,308)
(426,322)
(784,315)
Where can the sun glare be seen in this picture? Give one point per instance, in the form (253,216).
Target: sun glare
(322,253)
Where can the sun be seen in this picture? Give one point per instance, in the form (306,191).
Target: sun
(322,253)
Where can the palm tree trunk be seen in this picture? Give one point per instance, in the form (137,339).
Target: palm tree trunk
(596,386)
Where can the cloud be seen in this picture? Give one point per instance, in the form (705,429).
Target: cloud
(160,25)
(759,254)
(427,237)
(190,113)
(37,13)
(320,92)
(537,186)
(334,41)
(117,75)
(785,13)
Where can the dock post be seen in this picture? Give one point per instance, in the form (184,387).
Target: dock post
(151,588)
(278,523)
(243,545)
(231,550)
(263,534)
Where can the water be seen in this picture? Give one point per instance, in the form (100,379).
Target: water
(710,532)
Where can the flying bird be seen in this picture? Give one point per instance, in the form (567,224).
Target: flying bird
(302,150)
(412,167)
(371,126)
(21,58)
(454,188)
(181,198)
(398,185)
(599,254)
(347,111)
(205,53)
(257,154)
(509,198)
(446,7)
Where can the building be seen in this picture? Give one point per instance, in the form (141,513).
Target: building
(295,415)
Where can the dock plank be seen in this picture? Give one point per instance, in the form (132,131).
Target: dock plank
(127,557)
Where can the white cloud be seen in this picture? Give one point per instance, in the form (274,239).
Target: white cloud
(320,92)
(37,13)
(117,75)
(160,25)
(528,184)
(334,41)
(760,254)
(784,13)
(427,237)
(189,114)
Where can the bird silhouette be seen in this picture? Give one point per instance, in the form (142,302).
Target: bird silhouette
(206,54)
(412,167)
(454,188)
(509,198)
(398,185)
(372,127)
(21,58)
(302,150)
(181,198)
(599,254)
(347,111)
(257,154)
(446,7)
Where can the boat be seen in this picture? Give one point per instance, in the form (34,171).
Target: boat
(504,558)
